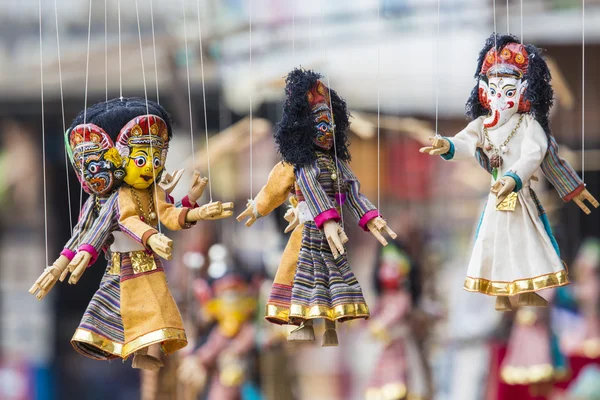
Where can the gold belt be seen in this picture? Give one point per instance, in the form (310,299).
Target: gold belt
(141,261)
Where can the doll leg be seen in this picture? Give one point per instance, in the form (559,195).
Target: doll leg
(503,303)
(304,333)
(532,299)
(330,336)
(142,360)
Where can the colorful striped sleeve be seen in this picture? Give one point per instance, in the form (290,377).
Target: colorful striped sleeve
(319,204)
(85,220)
(361,209)
(102,227)
(560,173)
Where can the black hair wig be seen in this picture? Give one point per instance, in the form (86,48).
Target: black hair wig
(113,114)
(539,91)
(295,133)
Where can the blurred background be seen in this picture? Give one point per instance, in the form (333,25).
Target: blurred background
(387,53)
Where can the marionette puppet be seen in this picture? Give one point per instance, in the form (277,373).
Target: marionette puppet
(314,280)
(515,252)
(137,307)
(98,167)
(399,371)
(224,356)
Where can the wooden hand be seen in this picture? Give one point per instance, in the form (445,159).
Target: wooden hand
(210,211)
(377,226)
(292,216)
(248,213)
(168,181)
(438,146)
(48,278)
(336,237)
(78,265)
(197,189)
(585,195)
(503,187)
(161,245)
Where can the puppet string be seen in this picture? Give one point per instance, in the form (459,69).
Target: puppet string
(331,108)
(187,70)
(120,54)
(293,31)
(378,112)
(154,50)
(62,111)
(251,105)
(204,101)
(155,184)
(105,51)
(43,136)
(507,17)
(437,73)
(522,39)
(583,90)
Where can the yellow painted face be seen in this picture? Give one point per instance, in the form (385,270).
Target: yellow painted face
(139,167)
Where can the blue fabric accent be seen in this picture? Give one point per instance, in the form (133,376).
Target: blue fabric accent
(565,298)
(450,154)
(517,179)
(250,392)
(559,361)
(480,221)
(546,223)
(43,388)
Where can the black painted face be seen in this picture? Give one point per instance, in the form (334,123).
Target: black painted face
(324,126)
(103,172)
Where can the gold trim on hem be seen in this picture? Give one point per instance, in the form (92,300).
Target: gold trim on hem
(98,341)
(277,314)
(530,375)
(339,312)
(174,339)
(501,288)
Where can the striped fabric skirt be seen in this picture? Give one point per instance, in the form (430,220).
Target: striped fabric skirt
(324,287)
(132,309)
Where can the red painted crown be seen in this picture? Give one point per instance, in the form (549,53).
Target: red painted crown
(145,130)
(318,94)
(88,138)
(513,60)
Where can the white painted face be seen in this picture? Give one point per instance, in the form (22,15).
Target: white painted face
(503,95)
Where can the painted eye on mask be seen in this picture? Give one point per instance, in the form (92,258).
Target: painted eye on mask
(140,161)
(93,169)
(157,163)
(511,92)
(493,92)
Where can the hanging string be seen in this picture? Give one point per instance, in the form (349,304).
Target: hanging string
(495,41)
(187,69)
(62,110)
(331,108)
(43,135)
(155,184)
(522,38)
(251,102)
(154,50)
(120,55)
(378,112)
(437,74)
(293,32)
(507,17)
(583,90)
(204,101)
(105,51)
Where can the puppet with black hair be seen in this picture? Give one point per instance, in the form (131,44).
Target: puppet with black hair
(117,323)
(515,252)
(314,280)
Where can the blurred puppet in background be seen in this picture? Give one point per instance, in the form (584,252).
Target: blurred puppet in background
(515,252)
(133,307)
(399,372)
(314,280)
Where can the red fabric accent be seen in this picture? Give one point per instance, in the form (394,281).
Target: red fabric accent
(366,218)
(68,253)
(171,199)
(187,203)
(574,193)
(90,249)
(325,216)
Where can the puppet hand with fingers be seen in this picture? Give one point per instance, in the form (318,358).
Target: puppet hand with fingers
(438,146)
(585,195)
(503,187)
(48,278)
(336,237)
(161,245)
(197,189)
(210,211)
(248,213)
(292,216)
(168,181)
(377,226)
(77,266)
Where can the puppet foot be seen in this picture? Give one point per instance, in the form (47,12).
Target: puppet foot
(330,336)
(145,361)
(503,303)
(304,333)
(532,299)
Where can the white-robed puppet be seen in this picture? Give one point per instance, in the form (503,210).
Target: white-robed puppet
(515,252)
